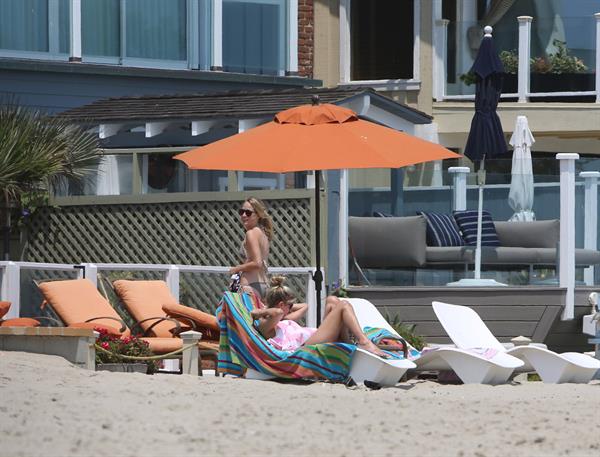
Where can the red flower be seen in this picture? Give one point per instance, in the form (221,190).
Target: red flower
(104,345)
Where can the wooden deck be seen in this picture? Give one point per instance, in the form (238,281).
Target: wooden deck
(531,311)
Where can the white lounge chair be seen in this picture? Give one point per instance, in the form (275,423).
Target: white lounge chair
(467,330)
(365,366)
(470,366)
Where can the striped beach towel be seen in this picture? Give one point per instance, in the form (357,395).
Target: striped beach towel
(381,335)
(241,346)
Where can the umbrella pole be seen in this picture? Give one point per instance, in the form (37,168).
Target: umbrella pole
(318,275)
(481,183)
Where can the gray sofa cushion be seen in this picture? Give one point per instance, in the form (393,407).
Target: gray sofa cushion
(506,255)
(380,242)
(583,257)
(449,254)
(535,234)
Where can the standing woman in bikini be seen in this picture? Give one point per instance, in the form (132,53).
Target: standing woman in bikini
(255,247)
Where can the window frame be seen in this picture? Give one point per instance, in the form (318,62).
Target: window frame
(53,52)
(208,13)
(413,83)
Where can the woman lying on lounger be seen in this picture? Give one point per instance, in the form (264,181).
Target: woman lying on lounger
(277,322)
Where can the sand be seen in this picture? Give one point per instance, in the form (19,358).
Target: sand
(48,407)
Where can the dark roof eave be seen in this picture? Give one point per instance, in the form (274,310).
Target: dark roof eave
(138,72)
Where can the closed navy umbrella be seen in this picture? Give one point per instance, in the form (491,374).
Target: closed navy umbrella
(486,138)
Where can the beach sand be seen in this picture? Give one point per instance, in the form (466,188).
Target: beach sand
(48,407)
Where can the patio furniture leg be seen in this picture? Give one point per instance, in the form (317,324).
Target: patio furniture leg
(191,356)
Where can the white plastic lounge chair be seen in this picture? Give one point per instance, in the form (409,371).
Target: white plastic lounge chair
(467,330)
(364,367)
(470,366)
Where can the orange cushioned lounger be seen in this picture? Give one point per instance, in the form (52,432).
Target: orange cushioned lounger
(16,321)
(145,300)
(78,303)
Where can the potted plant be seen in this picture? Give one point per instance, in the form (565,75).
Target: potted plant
(560,72)
(121,354)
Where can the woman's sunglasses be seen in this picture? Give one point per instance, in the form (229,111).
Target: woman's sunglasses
(246,212)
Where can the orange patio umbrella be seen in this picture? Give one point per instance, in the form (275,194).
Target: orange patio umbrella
(315,137)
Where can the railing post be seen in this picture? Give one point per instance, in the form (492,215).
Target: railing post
(440,58)
(343,228)
(590,233)
(566,266)
(91,273)
(524,57)
(311,315)
(75,35)
(459,187)
(597,16)
(11,289)
(172,280)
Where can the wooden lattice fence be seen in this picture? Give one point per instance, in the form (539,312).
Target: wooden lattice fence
(186,232)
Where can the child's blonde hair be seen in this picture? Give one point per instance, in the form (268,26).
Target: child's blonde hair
(278,292)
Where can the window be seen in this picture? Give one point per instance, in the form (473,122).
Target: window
(254,36)
(155,29)
(34,26)
(152,30)
(100,28)
(245,36)
(380,39)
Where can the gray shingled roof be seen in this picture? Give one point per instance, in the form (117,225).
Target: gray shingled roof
(231,104)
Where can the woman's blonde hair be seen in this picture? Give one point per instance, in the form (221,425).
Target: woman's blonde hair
(264,220)
(278,292)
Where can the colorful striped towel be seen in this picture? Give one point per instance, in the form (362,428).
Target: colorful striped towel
(379,335)
(241,346)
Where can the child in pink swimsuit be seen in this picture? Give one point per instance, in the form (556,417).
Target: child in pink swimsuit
(289,335)
(277,322)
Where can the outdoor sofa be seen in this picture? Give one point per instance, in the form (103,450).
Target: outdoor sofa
(401,242)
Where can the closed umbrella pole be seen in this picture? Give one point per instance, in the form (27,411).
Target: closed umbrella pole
(486,138)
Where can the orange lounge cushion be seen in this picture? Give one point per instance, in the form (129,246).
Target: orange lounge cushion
(145,299)
(78,300)
(4,307)
(20,322)
(112,331)
(206,323)
(163,345)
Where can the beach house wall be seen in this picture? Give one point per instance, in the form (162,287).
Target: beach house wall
(417,55)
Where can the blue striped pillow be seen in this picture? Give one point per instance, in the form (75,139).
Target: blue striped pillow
(441,230)
(467,221)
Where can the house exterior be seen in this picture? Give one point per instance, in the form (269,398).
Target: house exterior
(128,69)
(417,55)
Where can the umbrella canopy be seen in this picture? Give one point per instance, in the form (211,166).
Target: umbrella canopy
(486,138)
(315,137)
(520,197)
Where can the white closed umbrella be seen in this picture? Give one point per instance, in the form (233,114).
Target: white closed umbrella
(520,197)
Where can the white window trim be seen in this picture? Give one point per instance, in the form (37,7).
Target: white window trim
(413,83)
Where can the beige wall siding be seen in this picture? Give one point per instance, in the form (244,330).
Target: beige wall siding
(327,42)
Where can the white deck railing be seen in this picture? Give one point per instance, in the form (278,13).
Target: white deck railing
(440,37)
(10,278)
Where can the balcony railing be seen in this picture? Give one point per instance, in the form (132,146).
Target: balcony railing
(529,80)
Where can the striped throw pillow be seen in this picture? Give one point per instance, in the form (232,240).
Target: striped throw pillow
(467,222)
(441,230)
